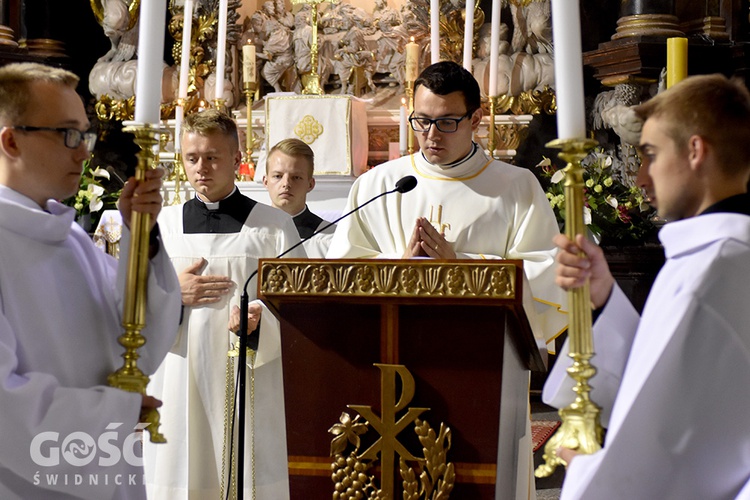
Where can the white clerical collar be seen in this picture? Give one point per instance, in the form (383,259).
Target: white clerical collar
(214,205)
(300,212)
(456,163)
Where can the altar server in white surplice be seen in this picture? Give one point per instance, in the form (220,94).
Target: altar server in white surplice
(289,177)
(215,241)
(673,383)
(466,205)
(64,432)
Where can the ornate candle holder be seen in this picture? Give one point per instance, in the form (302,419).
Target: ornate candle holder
(129,377)
(220,104)
(580,429)
(491,144)
(249,140)
(178,176)
(409,88)
(312,87)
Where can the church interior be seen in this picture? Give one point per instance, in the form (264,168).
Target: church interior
(361,89)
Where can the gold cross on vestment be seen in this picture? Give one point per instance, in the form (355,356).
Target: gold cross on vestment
(439,225)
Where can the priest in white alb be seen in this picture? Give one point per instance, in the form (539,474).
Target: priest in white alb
(466,205)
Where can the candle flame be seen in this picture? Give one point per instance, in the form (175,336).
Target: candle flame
(412,39)
(403,101)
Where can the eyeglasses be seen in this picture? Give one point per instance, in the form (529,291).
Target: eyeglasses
(445,125)
(73,137)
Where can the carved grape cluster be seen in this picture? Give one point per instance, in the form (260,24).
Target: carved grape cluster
(351,481)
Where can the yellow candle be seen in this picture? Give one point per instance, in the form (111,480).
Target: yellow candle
(248,63)
(676,60)
(412,60)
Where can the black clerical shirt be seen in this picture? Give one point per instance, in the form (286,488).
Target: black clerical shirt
(737,204)
(229,217)
(307,223)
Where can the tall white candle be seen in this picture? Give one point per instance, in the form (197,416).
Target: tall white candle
(469,35)
(412,61)
(221,49)
(402,128)
(566,36)
(151,29)
(187,29)
(248,63)
(494,47)
(435,30)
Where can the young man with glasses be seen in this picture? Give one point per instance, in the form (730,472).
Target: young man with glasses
(466,206)
(61,306)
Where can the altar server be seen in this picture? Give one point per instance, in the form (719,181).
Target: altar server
(673,382)
(289,179)
(215,241)
(65,433)
(466,206)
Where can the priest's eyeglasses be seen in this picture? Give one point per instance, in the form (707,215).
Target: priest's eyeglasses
(73,137)
(445,125)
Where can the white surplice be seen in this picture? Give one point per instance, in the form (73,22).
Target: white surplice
(61,302)
(192,380)
(488,210)
(673,384)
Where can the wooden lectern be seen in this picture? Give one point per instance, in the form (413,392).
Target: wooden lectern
(394,373)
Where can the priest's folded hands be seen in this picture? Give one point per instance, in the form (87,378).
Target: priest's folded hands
(426,241)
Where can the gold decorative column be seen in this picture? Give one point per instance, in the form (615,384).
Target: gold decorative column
(580,429)
(129,377)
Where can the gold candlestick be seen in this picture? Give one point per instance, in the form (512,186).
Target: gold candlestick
(409,88)
(249,140)
(580,429)
(312,87)
(178,175)
(129,377)
(491,144)
(220,104)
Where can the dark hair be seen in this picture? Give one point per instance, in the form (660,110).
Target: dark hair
(445,77)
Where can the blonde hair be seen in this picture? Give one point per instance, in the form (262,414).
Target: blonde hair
(15,80)
(296,149)
(210,122)
(713,107)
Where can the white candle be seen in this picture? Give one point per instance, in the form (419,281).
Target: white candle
(469,35)
(435,30)
(221,49)
(187,28)
(151,28)
(248,63)
(494,47)
(412,61)
(566,36)
(402,129)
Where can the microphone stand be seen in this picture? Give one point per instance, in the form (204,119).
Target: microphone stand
(252,340)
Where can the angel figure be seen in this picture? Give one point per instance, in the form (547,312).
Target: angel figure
(120,25)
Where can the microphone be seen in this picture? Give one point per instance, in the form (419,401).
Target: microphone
(403,185)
